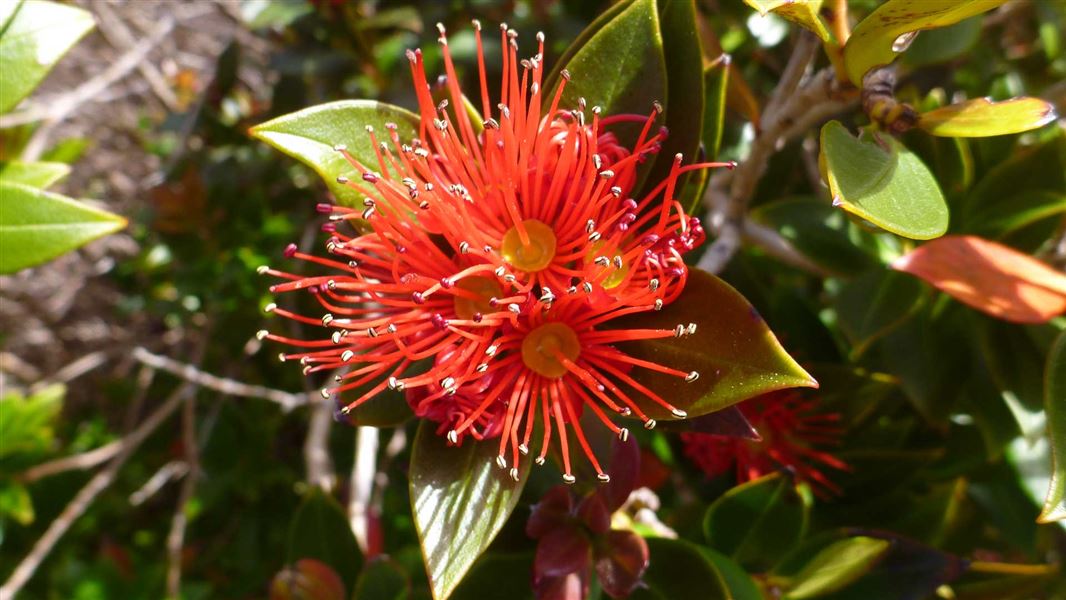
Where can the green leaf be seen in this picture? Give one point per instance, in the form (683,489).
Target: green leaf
(320,530)
(983,118)
(758,522)
(874,304)
(836,566)
(35,38)
(26,423)
(801,12)
(1014,212)
(733,350)
(35,174)
(273,13)
(715,82)
(382,579)
(678,569)
(821,233)
(872,41)
(460,500)
(740,585)
(620,68)
(942,45)
(310,136)
(883,182)
(1055,409)
(36,226)
(684,80)
(552,80)
(495,577)
(15,502)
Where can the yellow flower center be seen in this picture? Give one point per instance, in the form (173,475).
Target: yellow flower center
(483,288)
(534,255)
(616,274)
(542,346)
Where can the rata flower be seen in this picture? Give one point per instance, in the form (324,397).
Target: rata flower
(791,432)
(499,247)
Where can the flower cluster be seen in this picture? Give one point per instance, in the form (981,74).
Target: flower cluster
(497,249)
(791,431)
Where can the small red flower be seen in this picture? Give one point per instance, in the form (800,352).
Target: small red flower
(501,248)
(790,432)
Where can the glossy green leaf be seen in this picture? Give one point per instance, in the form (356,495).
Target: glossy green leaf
(873,304)
(942,45)
(883,182)
(320,530)
(836,566)
(1055,409)
(26,423)
(35,174)
(741,586)
(34,40)
(801,12)
(875,41)
(620,68)
(716,84)
(382,579)
(7,12)
(678,569)
(821,233)
(1040,167)
(733,350)
(310,136)
(36,226)
(758,522)
(684,81)
(983,118)
(460,499)
(1013,213)
(552,80)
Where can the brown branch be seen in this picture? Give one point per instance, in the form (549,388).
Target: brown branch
(213,382)
(176,536)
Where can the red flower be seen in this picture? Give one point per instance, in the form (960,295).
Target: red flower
(790,431)
(503,246)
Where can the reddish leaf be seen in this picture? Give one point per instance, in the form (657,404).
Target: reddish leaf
(624,470)
(620,562)
(990,277)
(574,586)
(561,552)
(553,511)
(594,514)
(308,579)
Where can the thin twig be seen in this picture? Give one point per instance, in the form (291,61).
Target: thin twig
(212,382)
(92,458)
(58,111)
(316,451)
(87,494)
(361,486)
(72,371)
(176,536)
(798,111)
(120,37)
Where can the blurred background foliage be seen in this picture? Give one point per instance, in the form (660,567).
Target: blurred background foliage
(942,405)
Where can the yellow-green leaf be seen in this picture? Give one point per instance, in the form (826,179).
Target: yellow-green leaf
(838,565)
(1055,409)
(36,226)
(34,174)
(34,39)
(312,134)
(878,179)
(801,12)
(983,118)
(881,36)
